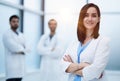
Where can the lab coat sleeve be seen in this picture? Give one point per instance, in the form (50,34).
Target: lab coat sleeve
(100,60)
(26,46)
(57,52)
(12,45)
(43,50)
(64,64)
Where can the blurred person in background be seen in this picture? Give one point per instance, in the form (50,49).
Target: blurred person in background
(15,50)
(50,51)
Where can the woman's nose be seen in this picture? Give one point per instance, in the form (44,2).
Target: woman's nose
(89,18)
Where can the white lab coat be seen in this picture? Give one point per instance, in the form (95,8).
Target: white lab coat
(15,63)
(49,66)
(96,53)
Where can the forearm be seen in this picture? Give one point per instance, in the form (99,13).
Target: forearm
(78,72)
(73,67)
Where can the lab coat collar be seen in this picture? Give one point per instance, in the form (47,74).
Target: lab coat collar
(16,33)
(88,48)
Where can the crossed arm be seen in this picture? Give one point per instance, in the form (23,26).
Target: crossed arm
(75,68)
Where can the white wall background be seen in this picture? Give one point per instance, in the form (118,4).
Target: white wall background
(32,32)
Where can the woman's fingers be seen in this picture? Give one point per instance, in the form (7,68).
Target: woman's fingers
(65,59)
(68,58)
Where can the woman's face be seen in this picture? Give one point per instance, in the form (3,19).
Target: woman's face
(91,18)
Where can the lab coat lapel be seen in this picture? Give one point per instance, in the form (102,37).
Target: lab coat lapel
(18,38)
(53,40)
(90,47)
(49,42)
(14,36)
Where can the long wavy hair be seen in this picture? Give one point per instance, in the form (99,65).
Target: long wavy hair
(81,30)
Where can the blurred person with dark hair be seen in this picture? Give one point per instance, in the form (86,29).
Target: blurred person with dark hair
(15,49)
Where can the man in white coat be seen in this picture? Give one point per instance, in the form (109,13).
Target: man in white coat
(15,48)
(50,52)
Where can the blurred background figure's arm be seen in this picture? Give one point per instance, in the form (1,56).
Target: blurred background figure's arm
(41,48)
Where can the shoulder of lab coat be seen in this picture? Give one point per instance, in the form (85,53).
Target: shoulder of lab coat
(100,60)
(10,44)
(71,48)
(43,50)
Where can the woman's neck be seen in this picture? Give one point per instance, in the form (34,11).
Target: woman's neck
(88,36)
(89,33)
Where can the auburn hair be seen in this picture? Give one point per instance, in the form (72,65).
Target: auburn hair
(81,30)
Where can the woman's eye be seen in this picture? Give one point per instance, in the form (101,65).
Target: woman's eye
(94,15)
(86,15)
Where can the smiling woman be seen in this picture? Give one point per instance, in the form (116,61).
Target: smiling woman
(91,18)
(86,58)
(88,24)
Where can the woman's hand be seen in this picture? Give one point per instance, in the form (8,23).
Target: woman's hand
(84,64)
(81,66)
(67,58)
(74,67)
